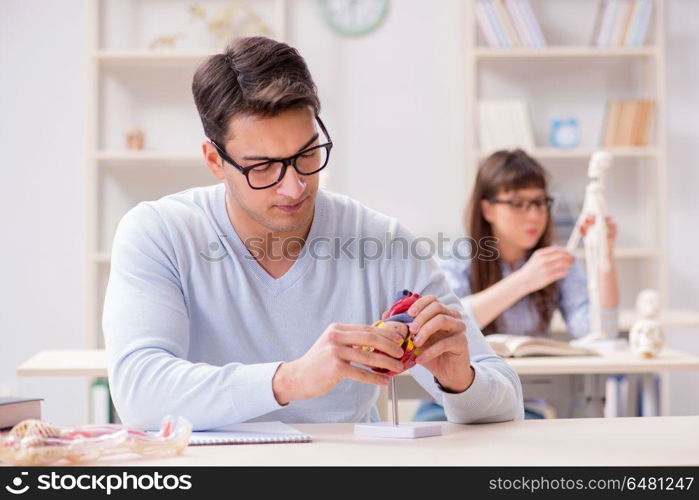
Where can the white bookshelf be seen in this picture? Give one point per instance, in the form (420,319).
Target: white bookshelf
(563,52)
(129,85)
(584,153)
(642,264)
(643,261)
(114,157)
(107,57)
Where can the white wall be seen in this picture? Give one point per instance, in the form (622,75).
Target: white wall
(683,186)
(393,102)
(395,106)
(42,126)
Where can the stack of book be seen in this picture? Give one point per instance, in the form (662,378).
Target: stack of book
(14,410)
(504,124)
(629,123)
(622,23)
(508,23)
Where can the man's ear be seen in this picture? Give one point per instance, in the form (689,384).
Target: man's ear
(487,210)
(213,161)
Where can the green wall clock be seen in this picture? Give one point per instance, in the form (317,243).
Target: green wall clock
(353,17)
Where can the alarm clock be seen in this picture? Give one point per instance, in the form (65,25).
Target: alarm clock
(353,17)
(565,133)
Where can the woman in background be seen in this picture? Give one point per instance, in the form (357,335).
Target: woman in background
(517,289)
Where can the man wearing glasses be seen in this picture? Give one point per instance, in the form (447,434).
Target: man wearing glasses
(232,303)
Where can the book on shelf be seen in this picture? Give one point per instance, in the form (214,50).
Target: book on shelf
(624,129)
(495,23)
(643,134)
(14,410)
(599,17)
(628,123)
(487,29)
(604,35)
(504,124)
(622,23)
(520,23)
(532,23)
(518,346)
(613,112)
(638,31)
(629,8)
(508,23)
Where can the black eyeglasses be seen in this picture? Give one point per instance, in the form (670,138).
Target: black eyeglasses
(522,207)
(270,172)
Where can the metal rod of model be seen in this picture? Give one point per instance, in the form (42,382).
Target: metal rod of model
(394,401)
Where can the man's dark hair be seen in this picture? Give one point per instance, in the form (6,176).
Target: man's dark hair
(254,76)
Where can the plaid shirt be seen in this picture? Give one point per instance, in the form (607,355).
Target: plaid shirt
(522,318)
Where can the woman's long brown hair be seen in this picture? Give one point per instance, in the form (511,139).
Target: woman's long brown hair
(507,171)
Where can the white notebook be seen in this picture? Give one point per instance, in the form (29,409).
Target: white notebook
(250,433)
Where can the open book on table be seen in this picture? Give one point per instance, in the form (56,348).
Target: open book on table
(517,346)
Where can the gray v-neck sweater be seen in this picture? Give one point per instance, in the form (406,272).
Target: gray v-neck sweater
(195,327)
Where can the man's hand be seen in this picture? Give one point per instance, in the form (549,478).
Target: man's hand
(440,333)
(327,362)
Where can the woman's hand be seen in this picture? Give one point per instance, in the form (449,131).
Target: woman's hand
(545,266)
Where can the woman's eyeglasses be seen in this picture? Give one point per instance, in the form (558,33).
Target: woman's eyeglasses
(522,206)
(270,172)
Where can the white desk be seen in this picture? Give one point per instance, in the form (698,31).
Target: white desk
(93,363)
(623,362)
(590,377)
(591,380)
(567,442)
(65,363)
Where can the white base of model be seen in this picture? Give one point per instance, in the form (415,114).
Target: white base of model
(410,430)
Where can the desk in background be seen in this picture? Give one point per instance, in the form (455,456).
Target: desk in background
(589,383)
(586,380)
(93,363)
(66,363)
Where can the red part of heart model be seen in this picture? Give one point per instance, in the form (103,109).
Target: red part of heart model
(410,350)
